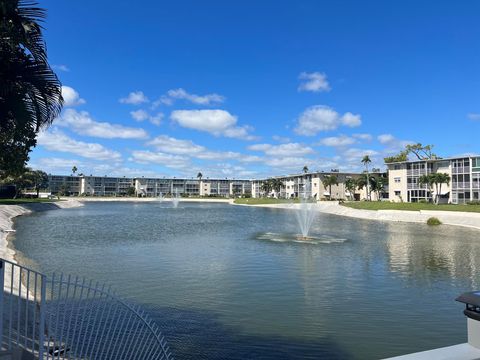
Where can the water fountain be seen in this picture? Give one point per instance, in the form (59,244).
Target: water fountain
(305,213)
(160,197)
(175,198)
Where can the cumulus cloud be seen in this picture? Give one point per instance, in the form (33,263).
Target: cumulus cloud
(364,137)
(315,81)
(215,122)
(134,98)
(290,149)
(474,116)
(207,99)
(58,141)
(83,124)
(142,115)
(281,139)
(71,97)
(168,160)
(323,118)
(337,141)
(386,138)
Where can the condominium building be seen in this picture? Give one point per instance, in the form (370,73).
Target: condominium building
(464,185)
(146,187)
(312,185)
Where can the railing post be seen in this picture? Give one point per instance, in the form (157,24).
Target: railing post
(2,279)
(41,325)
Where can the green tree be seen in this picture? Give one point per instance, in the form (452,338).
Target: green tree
(30,92)
(305,169)
(367,161)
(434,180)
(74,169)
(401,156)
(277,185)
(131,191)
(378,185)
(351,185)
(329,181)
(199,176)
(266,186)
(362,182)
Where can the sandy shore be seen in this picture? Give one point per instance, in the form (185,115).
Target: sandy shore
(465,219)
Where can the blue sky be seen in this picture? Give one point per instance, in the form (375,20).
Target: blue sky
(257,88)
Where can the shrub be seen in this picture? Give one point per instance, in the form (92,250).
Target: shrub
(475,202)
(433,221)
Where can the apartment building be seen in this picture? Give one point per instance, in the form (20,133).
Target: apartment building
(464,185)
(311,185)
(147,187)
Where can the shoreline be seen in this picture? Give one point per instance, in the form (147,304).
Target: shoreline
(8,213)
(144,199)
(465,219)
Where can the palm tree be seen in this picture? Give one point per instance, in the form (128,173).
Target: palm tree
(199,176)
(266,186)
(277,185)
(379,185)
(74,169)
(366,161)
(305,169)
(328,181)
(427,181)
(351,185)
(30,92)
(440,178)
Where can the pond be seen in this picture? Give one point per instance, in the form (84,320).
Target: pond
(221,286)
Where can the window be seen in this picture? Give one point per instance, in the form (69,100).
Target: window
(397,193)
(396,167)
(397,179)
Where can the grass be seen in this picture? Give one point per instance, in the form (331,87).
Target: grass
(25,201)
(261,201)
(382,205)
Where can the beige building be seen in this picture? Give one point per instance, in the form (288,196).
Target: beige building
(464,185)
(311,185)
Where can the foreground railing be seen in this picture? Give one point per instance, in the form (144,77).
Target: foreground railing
(67,317)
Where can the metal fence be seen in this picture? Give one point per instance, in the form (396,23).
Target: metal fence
(65,317)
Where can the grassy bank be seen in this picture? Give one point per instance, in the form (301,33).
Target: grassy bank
(25,201)
(261,201)
(380,205)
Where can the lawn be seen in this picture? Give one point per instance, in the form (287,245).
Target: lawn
(261,201)
(25,201)
(382,205)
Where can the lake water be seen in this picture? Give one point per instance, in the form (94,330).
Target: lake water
(220,288)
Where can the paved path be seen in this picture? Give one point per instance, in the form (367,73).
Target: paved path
(457,218)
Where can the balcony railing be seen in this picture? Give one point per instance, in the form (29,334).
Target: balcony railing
(65,317)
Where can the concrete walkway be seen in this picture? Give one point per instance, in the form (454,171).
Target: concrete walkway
(456,218)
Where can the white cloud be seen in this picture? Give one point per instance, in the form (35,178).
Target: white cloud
(156,119)
(216,122)
(315,82)
(142,115)
(290,149)
(323,118)
(58,141)
(134,98)
(168,160)
(337,141)
(474,116)
(71,97)
(386,138)
(196,99)
(139,115)
(82,123)
(61,67)
(364,137)
(351,120)
(281,139)
(171,145)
